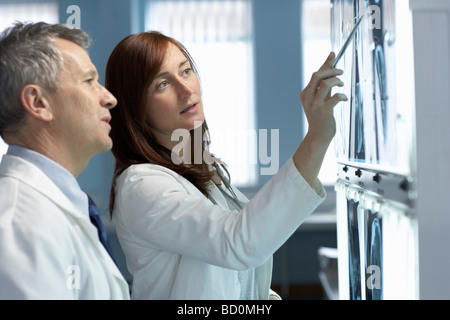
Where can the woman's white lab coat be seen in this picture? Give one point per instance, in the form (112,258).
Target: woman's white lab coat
(179,245)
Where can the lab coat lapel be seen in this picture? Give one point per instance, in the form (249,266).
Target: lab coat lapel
(217,197)
(31,175)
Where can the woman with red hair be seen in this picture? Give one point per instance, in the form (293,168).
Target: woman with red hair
(187,233)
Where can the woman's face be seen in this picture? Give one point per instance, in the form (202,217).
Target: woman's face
(174,98)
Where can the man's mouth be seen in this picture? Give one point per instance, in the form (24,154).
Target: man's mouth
(106,119)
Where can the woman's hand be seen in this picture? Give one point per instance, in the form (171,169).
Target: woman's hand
(318,105)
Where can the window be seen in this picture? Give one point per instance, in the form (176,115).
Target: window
(316,47)
(218,35)
(30,10)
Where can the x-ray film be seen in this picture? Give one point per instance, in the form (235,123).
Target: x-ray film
(342,24)
(373,255)
(387,111)
(347,42)
(368,124)
(354,250)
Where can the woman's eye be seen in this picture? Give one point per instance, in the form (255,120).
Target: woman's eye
(162,85)
(187,71)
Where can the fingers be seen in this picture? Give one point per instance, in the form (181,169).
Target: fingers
(329,61)
(322,82)
(318,103)
(320,86)
(335,99)
(324,72)
(325,86)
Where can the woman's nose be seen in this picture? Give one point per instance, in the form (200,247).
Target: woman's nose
(184,89)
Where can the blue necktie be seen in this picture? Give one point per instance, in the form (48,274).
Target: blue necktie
(94,215)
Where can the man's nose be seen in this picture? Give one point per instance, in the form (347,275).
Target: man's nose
(108,100)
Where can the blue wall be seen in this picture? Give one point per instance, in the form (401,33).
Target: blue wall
(278,71)
(277,59)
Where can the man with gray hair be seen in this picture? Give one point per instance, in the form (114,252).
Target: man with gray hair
(54,115)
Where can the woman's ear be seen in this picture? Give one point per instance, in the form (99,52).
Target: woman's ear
(35,102)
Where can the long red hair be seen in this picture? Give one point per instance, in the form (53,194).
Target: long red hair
(131,68)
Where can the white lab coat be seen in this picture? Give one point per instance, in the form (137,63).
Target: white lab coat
(49,250)
(179,245)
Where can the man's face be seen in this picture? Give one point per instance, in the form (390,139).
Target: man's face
(80,105)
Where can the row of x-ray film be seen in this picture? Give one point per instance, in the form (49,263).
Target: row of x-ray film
(375,149)
(377,247)
(374,125)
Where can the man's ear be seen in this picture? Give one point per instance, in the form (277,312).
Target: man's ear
(34,100)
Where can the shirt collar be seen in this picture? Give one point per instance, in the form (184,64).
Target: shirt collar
(60,176)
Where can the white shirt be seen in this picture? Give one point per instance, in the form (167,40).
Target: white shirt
(179,245)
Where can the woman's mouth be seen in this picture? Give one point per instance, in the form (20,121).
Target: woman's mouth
(191,108)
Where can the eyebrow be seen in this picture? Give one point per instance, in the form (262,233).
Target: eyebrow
(90,73)
(162,74)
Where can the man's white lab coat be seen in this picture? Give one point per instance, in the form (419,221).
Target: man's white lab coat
(49,250)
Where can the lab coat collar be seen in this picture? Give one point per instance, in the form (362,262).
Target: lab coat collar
(31,175)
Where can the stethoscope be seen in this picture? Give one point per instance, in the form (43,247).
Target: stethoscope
(226,182)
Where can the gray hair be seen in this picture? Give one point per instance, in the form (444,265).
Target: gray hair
(28,56)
